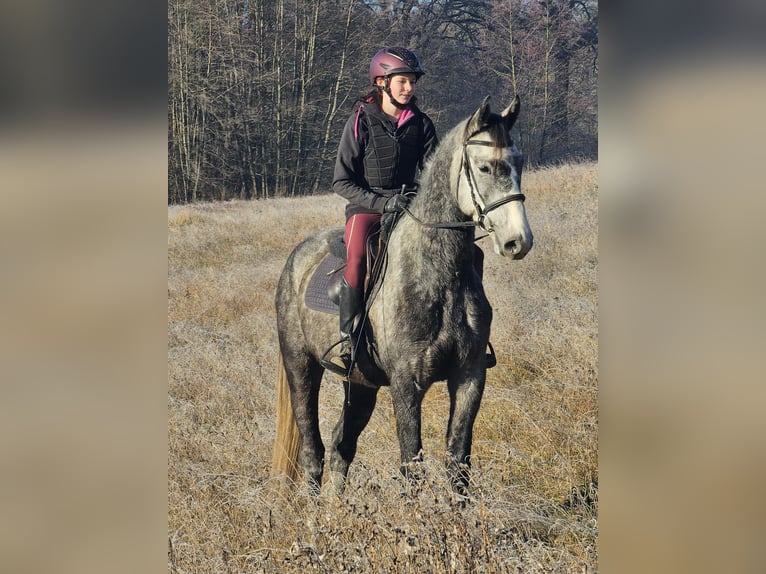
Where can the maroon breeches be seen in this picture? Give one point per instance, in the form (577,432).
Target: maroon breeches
(358,229)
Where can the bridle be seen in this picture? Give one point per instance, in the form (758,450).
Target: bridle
(483,212)
(483,221)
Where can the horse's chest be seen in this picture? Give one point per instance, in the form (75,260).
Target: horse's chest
(440,332)
(433,311)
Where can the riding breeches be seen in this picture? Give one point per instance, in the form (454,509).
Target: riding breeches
(358,228)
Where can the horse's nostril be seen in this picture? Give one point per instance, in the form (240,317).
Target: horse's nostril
(512,247)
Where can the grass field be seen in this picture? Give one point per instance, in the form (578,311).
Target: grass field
(535,441)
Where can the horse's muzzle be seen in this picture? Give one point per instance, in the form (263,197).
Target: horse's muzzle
(516,248)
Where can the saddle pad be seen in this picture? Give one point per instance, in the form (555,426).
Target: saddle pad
(316,291)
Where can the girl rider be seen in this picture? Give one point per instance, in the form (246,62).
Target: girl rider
(385,141)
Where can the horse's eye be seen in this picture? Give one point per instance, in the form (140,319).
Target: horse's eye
(484,168)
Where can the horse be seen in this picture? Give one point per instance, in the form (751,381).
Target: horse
(429,318)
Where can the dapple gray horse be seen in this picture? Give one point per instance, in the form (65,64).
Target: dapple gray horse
(429,318)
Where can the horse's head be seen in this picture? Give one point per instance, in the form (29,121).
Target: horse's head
(489,189)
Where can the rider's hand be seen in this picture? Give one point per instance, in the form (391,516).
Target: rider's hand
(396,204)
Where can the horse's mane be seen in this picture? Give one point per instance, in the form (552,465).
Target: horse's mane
(437,167)
(436,172)
(436,202)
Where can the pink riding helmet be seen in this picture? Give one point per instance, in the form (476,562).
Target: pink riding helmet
(394,60)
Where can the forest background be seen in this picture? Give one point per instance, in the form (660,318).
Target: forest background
(258,90)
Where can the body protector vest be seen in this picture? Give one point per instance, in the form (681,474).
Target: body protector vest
(392,154)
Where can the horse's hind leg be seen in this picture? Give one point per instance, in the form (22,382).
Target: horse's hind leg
(357,409)
(304,375)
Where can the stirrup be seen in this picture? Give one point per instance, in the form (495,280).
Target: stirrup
(491,358)
(336,364)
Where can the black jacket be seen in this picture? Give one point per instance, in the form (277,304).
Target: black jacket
(376,157)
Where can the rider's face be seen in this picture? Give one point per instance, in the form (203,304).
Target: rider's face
(402,86)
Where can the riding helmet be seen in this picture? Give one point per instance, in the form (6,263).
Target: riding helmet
(394,60)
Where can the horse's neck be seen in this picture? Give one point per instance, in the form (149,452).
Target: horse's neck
(429,257)
(435,258)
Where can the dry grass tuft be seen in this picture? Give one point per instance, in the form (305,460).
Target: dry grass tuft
(535,441)
(183,217)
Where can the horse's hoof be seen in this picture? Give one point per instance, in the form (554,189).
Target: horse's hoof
(337,482)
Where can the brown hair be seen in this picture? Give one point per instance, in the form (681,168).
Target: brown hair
(374,95)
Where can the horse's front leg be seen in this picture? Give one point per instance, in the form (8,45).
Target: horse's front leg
(407,398)
(465,397)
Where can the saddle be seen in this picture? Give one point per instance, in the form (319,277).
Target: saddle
(323,290)
(324,285)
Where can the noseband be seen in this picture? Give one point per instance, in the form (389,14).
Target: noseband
(483,222)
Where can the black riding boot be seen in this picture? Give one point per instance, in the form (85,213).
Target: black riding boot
(351,305)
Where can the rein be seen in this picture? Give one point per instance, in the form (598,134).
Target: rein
(482,212)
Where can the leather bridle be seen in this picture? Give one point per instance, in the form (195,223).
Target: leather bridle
(483,221)
(483,211)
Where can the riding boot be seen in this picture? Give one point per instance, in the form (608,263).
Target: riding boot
(351,305)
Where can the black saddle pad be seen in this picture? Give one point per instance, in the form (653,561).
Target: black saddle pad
(316,291)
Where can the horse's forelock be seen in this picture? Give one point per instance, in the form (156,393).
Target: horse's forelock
(494,125)
(498,130)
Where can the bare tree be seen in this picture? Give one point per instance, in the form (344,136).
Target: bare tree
(545,51)
(258,90)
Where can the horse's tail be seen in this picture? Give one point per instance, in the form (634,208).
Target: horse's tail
(284,460)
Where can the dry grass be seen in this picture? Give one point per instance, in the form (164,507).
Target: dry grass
(534,442)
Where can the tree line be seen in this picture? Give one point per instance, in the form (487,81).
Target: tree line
(258,90)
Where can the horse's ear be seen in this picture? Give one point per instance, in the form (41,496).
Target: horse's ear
(484,109)
(510,113)
(479,118)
